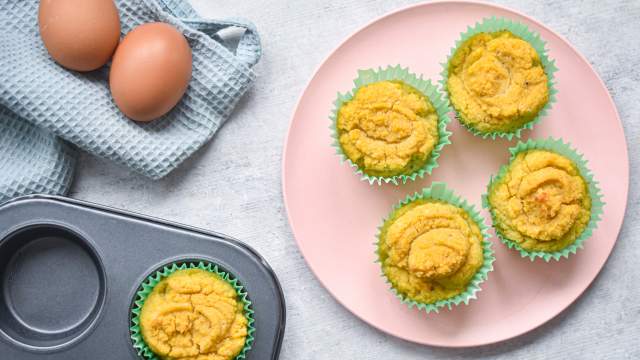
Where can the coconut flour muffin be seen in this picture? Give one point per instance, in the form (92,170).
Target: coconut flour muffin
(430,250)
(388,128)
(541,202)
(496,82)
(194,314)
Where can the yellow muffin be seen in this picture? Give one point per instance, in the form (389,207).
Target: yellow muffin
(388,128)
(430,250)
(542,202)
(496,82)
(193,314)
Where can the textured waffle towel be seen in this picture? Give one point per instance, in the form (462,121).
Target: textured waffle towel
(42,103)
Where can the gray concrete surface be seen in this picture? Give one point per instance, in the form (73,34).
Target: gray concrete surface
(233,184)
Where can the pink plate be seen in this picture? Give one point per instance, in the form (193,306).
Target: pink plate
(334,215)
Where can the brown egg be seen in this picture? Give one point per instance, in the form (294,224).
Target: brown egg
(79,34)
(150,71)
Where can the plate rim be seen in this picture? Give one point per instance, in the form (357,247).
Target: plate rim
(409,8)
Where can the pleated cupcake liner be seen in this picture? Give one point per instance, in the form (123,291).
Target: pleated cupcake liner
(141,348)
(440,192)
(565,149)
(491,25)
(426,88)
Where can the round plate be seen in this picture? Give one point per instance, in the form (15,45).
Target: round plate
(334,215)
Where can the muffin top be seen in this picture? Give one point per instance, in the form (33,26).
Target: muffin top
(388,128)
(542,202)
(430,250)
(193,314)
(497,82)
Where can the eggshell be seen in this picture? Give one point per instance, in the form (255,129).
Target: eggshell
(79,34)
(150,71)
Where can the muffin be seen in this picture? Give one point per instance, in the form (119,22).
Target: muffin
(194,313)
(499,82)
(390,129)
(432,249)
(542,201)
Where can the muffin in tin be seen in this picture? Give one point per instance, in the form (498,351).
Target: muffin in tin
(192,311)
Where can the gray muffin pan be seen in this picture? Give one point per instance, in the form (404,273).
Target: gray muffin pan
(69,271)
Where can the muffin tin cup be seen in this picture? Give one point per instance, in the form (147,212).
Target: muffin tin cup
(425,87)
(565,149)
(494,24)
(152,280)
(439,191)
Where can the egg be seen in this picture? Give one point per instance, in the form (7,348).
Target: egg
(79,34)
(150,71)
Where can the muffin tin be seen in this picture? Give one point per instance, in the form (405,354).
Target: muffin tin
(69,271)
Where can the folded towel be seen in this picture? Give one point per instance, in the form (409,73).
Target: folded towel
(78,108)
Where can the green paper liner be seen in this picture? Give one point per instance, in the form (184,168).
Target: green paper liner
(425,87)
(490,25)
(141,348)
(565,149)
(439,191)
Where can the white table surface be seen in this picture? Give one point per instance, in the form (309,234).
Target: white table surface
(233,184)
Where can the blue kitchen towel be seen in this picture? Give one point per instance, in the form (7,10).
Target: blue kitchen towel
(31,159)
(42,103)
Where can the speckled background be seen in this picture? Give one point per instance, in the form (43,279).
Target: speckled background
(233,184)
